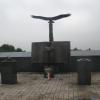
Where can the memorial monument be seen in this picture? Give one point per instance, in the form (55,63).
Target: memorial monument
(52,53)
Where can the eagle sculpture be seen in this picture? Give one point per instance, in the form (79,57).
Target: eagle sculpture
(51,18)
(51,21)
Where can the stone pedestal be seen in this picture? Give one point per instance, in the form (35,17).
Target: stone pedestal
(8,71)
(84,71)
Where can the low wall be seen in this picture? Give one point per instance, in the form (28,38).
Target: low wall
(25,65)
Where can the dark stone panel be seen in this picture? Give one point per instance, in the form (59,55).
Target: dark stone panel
(73,64)
(24,64)
(37,67)
(96,64)
(60,52)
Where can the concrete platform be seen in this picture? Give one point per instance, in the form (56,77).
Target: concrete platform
(33,86)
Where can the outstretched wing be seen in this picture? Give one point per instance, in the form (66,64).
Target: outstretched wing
(60,16)
(51,18)
(40,17)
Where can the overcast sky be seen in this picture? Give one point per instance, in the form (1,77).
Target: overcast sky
(82,28)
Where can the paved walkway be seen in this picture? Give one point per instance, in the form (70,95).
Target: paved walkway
(63,87)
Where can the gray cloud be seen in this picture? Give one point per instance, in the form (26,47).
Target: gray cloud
(19,29)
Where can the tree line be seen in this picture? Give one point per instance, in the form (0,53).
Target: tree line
(10,48)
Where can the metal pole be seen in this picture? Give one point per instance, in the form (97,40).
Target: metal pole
(51,39)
